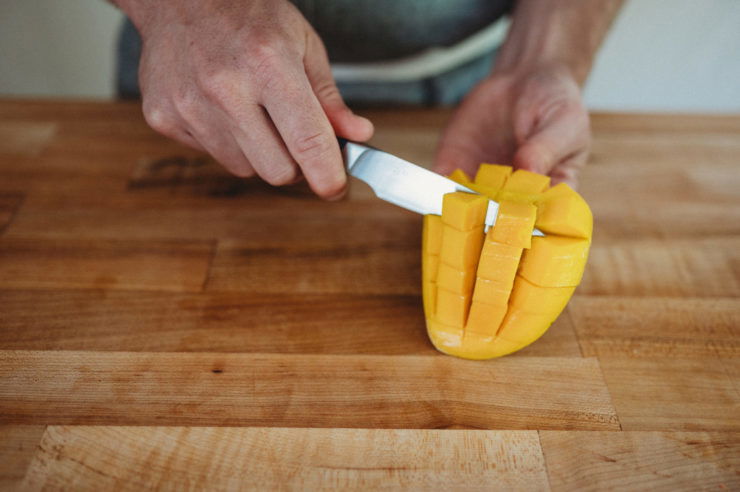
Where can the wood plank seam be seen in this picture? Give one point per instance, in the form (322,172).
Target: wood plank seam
(569,314)
(21,197)
(544,459)
(609,392)
(214,251)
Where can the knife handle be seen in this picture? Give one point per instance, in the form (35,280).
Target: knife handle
(342,142)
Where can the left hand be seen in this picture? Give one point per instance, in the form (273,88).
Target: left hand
(534,120)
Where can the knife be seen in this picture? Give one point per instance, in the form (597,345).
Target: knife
(405,184)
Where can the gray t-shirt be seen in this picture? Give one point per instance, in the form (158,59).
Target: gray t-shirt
(370,30)
(357,31)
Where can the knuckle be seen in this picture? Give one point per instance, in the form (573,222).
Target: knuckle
(158,118)
(186,103)
(327,91)
(279,175)
(314,148)
(269,59)
(217,83)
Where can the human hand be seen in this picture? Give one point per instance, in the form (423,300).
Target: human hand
(533,120)
(250,83)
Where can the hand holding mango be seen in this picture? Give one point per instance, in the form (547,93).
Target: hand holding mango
(488,295)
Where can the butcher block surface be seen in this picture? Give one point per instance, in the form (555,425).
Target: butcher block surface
(166,325)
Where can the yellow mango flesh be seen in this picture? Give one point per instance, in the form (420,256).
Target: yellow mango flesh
(459,176)
(492,175)
(514,224)
(564,212)
(490,295)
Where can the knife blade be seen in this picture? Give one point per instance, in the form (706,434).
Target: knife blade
(405,184)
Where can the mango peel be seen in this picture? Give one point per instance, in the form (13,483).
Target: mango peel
(488,295)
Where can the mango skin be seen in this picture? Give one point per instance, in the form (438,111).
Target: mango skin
(487,297)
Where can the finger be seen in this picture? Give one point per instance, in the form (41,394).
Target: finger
(187,138)
(306,131)
(208,128)
(450,157)
(261,143)
(342,119)
(568,170)
(168,122)
(564,134)
(465,146)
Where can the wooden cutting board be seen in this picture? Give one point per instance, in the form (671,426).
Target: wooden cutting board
(163,324)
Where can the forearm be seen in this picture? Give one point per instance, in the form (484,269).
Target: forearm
(142,12)
(556,32)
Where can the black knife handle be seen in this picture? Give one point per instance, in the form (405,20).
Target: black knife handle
(342,142)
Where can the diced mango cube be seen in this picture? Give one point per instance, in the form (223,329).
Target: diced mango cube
(459,176)
(555,261)
(464,211)
(533,299)
(484,296)
(446,338)
(523,328)
(461,249)
(492,291)
(487,191)
(517,197)
(429,267)
(522,181)
(476,346)
(492,175)
(498,261)
(457,281)
(429,298)
(452,308)
(484,318)
(514,224)
(431,239)
(564,212)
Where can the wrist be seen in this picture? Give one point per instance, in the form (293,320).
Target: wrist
(550,68)
(141,12)
(556,33)
(546,49)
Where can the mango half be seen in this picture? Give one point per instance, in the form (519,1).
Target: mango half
(490,294)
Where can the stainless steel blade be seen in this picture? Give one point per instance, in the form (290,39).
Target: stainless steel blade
(405,184)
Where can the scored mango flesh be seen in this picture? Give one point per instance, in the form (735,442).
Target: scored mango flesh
(491,294)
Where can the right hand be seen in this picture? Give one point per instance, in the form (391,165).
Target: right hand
(248,82)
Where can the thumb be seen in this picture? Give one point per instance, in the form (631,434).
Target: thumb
(556,139)
(343,120)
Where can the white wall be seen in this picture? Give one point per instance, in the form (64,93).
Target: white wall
(670,55)
(57,47)
(674,55)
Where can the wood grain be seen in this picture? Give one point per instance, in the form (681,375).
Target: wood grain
(328,266)
(657,326)
(19,138)
(673,394)
(18,445)
(107,264)
(302,390)
(110,320)
(559,340)
(251,214)
(701,267)
(642,460)
(9,203)
(142,284)
(136,458)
